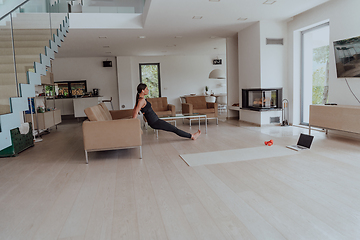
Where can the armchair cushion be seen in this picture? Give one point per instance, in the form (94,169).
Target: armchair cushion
(97,113)
(199,105)
(199,102)
(158,104)
(161,106)
(120,114)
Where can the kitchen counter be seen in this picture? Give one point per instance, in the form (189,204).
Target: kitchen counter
(73,106)
(81,103)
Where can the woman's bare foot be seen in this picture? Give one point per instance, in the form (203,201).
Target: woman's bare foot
(195,135)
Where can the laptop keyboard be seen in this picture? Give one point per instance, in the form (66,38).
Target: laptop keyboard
(301,147)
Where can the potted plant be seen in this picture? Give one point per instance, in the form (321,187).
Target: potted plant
(206,90)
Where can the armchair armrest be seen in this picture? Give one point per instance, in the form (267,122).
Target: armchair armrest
(211,105)
(187,108)
(171,107)
(114,134)
(119,114)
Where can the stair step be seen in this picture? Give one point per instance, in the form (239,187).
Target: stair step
(40,24)
(4,109)
(30,59)
(25,37)
(6,92)
(22,51)
(9,78)
(20,67)
(37,16)
(6,31)
(24,44)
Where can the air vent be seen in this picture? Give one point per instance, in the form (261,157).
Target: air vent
(274,41)
(274,119)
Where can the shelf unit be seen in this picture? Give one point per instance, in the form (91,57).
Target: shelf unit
(44,121)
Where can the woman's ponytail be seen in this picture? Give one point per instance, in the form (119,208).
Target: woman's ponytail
(137,99)
(139,89)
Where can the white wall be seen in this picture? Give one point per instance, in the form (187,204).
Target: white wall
(232,73)
(179,75)
(110,20)
(127,88)
(249,57)
(273,57)
(344,23)
(91,70)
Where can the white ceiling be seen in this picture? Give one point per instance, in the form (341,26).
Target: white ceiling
(167,19)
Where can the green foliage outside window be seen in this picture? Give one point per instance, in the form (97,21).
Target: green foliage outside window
(150,76)
(320,81)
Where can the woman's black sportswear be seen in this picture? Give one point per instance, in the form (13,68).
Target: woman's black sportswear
(156,123)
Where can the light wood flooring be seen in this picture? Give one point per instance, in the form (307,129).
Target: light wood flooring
(48,192)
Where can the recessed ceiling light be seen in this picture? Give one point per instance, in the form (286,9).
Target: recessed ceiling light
(171,45)
(213,37)
(107,52)
(178,36)
(164,51)
(106,46)
(197,17)
(102,37)
(242,19)
(214,0)
(269,2)
(141,37)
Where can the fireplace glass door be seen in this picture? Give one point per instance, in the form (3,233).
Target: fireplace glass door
(261,99)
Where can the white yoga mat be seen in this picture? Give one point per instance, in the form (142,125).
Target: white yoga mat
(243,154)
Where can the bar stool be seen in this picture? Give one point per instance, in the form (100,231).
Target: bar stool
(105,100)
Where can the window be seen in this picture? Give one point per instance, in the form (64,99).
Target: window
(150,75)
(71,88)
(314,68)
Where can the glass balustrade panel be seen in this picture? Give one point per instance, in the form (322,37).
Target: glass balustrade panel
(58,11)
(8,87)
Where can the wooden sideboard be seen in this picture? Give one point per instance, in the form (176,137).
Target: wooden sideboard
(45,120)
(335,117)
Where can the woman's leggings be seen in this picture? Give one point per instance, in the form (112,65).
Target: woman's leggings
(162,125)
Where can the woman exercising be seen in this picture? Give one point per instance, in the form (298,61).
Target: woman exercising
(153,120)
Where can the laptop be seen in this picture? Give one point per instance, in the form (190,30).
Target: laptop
(303,143)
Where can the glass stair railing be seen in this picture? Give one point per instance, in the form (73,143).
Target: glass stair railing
(101,6)
(29,38)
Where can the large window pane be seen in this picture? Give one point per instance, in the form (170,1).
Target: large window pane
(150,75)
(315,69)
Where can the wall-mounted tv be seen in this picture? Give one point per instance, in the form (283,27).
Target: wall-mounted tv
(347,57)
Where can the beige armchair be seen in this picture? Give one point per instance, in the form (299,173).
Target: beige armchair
(198,104)
(161,107)
(110,130)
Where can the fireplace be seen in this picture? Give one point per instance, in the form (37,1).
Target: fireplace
(262,99)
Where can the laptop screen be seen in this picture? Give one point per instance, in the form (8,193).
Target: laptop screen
(305,140)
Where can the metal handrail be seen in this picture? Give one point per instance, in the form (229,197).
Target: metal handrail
(1,18)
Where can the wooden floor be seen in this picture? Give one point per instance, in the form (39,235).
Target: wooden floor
(48,192)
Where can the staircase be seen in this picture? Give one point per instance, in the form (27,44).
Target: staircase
(35,45)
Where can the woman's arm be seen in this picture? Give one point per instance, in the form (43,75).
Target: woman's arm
(137,108)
